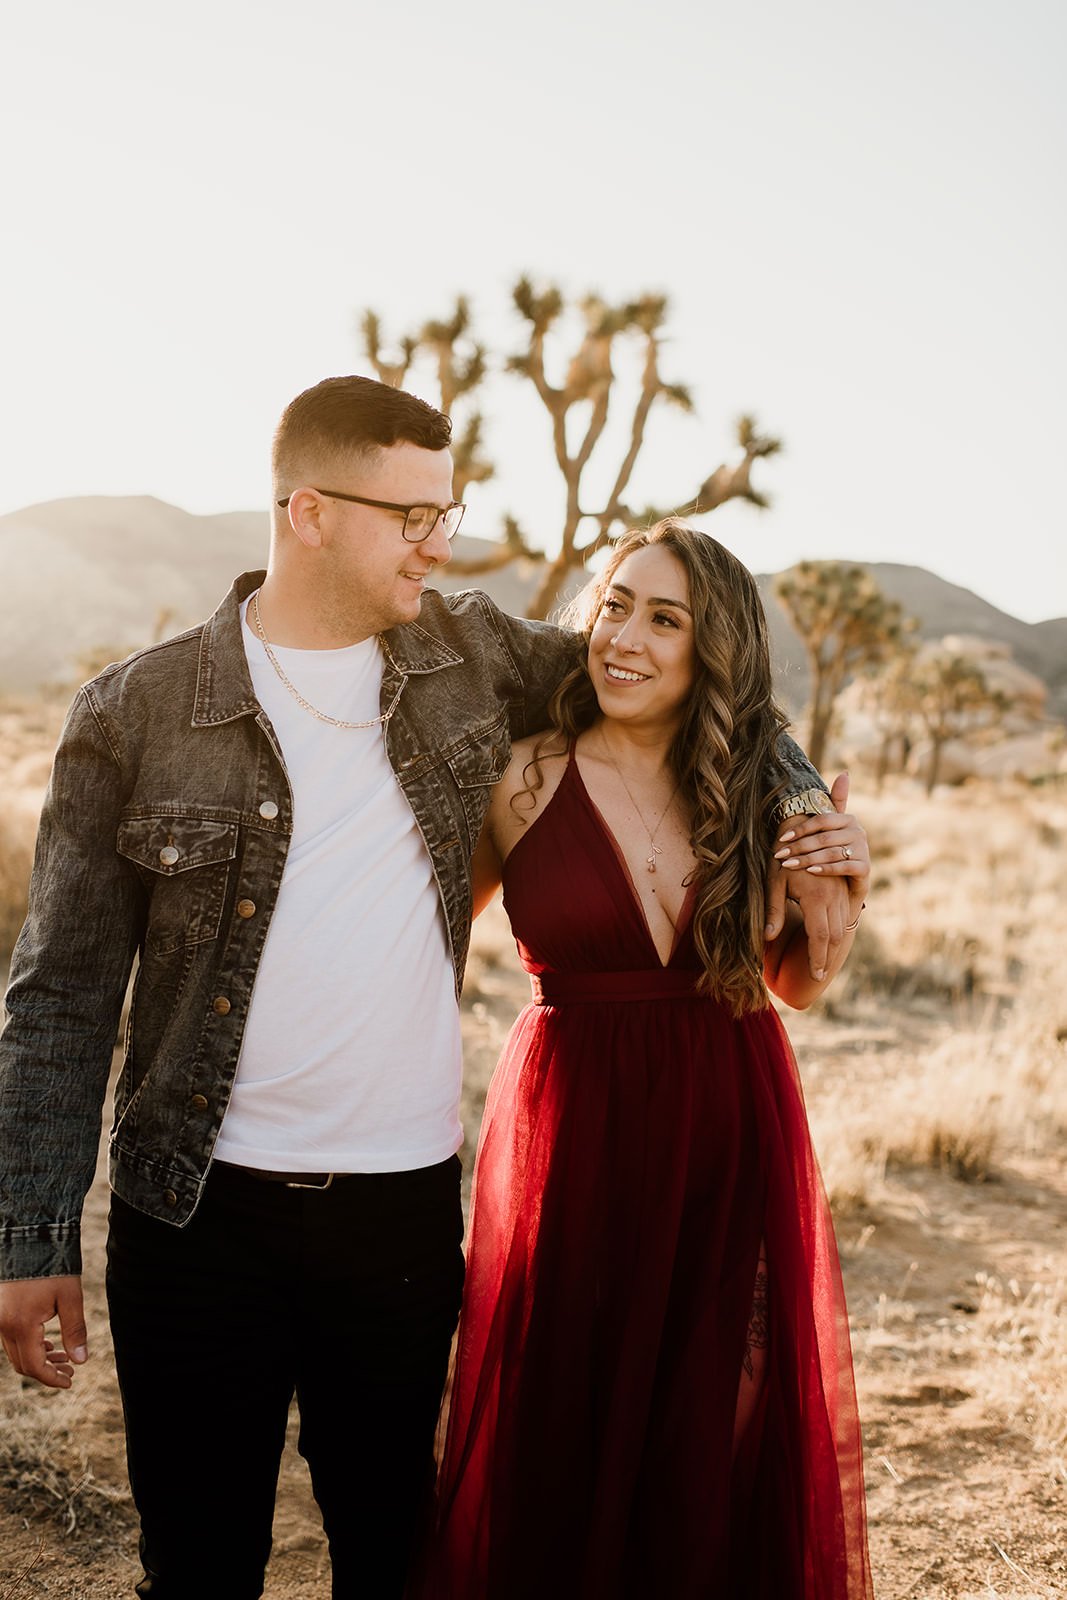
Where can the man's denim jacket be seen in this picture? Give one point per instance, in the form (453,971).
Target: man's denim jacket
(164,836)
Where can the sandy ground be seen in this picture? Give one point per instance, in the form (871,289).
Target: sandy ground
(961,1502)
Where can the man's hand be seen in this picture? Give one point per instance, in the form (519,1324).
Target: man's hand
(26,1305)
(824,864)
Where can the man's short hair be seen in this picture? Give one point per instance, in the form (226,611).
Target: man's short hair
(342,417)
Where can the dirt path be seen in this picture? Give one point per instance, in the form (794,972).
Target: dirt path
(959,1501)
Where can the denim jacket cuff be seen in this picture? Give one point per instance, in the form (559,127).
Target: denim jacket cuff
(41,1250)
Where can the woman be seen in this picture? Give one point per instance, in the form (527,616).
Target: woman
(653,1393)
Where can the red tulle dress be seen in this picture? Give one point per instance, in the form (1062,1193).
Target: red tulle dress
(640,1149)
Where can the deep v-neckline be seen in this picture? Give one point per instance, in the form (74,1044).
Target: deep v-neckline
(685,911)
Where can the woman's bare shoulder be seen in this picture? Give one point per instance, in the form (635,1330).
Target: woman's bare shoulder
(518,798)
(546,746)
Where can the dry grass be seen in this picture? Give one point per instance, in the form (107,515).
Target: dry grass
(952,1005)
(45,1467)
(16,857)
(1024,1338)
(27,735)
(937,1081)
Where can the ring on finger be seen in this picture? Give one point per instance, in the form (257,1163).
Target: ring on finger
(846,851)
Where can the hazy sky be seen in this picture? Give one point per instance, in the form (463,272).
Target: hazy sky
(857,213)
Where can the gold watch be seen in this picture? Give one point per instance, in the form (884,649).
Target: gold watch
(808,803)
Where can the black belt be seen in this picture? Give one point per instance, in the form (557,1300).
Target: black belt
(292,1180)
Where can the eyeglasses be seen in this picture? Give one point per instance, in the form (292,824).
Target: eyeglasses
(419,521)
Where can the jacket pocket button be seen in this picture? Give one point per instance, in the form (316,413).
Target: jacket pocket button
(169,1197)
(220,1005)
(168,855)
(269,809)
(246,908)
(198,1102)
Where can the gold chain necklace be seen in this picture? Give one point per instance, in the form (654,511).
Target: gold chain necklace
(335,722)
(654,849)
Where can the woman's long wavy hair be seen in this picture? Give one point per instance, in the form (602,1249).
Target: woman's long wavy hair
(723,753)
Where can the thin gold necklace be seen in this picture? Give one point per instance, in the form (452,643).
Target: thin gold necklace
(654,849)
(335,722)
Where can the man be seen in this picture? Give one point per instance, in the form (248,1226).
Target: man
(275,812)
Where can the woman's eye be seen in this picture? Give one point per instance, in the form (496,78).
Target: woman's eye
(665,616)
(612,605)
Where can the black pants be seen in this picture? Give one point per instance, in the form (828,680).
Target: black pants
(346,1296)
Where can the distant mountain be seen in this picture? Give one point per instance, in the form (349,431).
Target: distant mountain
(98,573)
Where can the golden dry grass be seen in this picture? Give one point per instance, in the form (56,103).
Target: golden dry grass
(964,934)
(27,734)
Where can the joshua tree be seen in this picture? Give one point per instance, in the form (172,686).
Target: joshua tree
(886,698)
(847,626)
(461,366)
(950,695)
(578,410)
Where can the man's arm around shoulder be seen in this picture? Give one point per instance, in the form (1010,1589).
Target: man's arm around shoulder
(540,654)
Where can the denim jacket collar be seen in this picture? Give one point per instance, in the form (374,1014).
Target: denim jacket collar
(223,682)
(224,685)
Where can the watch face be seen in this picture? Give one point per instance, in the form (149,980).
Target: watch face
(809,802)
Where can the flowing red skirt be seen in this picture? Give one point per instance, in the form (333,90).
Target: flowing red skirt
(641,1149)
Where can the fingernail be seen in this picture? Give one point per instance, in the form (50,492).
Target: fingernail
(780,855)
(814,869)
(768,932)
(80,1354)
(783,838)
(820,974)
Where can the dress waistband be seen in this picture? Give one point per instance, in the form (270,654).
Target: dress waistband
(572,988)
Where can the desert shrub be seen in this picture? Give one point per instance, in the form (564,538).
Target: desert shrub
(995,1084)
(1024,1334)
(45,1470)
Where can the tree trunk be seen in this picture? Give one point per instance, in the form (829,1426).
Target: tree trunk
(883,762)
(552,581)
(820,727)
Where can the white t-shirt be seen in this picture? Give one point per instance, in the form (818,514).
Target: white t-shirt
(351,1054)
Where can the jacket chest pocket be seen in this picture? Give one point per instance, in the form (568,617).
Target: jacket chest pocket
(184,864)
(476,766)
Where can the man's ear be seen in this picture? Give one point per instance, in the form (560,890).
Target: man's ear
(305,517)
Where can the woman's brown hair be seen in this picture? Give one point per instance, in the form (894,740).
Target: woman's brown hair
(723,753)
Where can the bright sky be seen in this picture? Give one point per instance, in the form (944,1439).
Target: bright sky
(855,210)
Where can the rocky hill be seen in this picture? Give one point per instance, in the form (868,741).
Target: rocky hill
(92,575)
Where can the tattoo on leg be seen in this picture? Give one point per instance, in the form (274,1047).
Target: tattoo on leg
(758,1330)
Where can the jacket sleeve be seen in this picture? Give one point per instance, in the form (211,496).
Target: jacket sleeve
(69,972)
(541,655)
(795,773)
